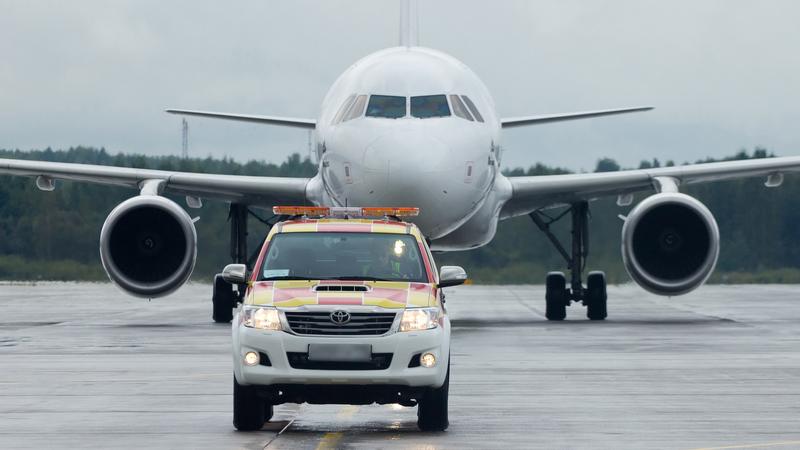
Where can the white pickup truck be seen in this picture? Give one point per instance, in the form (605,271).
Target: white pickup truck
(342,311)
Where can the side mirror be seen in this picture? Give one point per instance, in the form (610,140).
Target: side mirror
(452,276)
(235,273)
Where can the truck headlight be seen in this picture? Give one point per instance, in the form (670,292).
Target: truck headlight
(417,319)
(261,317)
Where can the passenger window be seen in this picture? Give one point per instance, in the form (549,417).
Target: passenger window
(386,106)
(345,106)
(427,106)
(357,109)
(459,109)
(472,108)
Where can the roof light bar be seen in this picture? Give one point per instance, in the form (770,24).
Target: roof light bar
(353,211)
(300,210)
(387,211)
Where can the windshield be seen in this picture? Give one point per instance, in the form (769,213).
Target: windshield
(473,108)
(429,106)
(345,256)
(343,109)
(459,109)
(387,106)
(356,109)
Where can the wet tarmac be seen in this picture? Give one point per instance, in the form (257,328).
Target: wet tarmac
(84,366)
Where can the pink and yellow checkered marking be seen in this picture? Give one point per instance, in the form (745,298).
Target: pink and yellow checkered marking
(290,294)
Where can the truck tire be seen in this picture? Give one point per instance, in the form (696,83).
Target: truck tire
(432,408)
(223,300)
(249,410)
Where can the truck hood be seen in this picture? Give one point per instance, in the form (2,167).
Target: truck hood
(384,294)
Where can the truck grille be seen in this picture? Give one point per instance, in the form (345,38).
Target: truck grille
(361,323)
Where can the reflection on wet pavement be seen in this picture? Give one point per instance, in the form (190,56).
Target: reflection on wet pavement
(91,368)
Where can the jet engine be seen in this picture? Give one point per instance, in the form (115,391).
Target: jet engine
(670,243)
(148,246)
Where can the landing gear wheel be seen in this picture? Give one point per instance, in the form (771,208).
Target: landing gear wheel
(249,411)
(224,299)
(596,297)
(556,296)
(432,408)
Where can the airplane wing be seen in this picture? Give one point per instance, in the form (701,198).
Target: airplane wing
(536,192)
(308,124)
(252,190)
(548,118)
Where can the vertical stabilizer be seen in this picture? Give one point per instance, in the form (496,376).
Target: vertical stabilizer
(409,24)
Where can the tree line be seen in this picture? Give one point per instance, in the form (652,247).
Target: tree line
(54,235)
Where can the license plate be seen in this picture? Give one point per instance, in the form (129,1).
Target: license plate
(340,352)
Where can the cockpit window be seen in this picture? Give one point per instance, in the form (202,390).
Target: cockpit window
(472,108)
(345,106)
(387,106)
(459,109)
(427,106)
(357,109)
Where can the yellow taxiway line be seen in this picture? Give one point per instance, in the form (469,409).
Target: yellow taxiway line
(331,440)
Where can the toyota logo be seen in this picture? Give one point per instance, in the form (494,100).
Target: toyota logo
(340,317)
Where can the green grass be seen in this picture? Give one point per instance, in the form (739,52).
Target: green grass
(20,269)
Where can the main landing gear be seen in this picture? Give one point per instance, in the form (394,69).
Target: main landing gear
(557,296)
(224,297)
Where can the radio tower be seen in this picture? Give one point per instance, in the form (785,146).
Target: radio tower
(185,139)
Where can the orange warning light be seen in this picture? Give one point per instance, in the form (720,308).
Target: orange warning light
(351,211)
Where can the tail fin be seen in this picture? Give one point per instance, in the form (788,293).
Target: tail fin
(409,24)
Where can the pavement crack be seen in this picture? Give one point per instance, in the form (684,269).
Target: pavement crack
(525,304)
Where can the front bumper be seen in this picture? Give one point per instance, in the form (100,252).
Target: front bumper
(278,346)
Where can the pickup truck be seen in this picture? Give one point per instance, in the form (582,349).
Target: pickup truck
(342,310)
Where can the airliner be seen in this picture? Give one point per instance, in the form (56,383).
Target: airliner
(414,126)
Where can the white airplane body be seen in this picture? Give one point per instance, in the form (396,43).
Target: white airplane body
(412,126)
(446,166)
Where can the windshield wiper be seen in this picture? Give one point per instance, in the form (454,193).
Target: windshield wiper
(344,278)
(360,278)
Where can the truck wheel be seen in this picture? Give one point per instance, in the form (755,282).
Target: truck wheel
(223,300)
(249,411)
(432,409)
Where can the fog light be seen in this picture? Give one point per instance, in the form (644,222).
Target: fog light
(427,360)
(251,358)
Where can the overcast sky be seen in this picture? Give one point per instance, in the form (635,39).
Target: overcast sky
(722,74)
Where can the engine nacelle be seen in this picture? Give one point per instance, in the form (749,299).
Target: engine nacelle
(148,246)
(670,244)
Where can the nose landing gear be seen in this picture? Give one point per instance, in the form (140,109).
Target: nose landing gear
(557,296)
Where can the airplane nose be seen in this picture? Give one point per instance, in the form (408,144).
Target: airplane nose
(406,153)
(407,163)
(412,169)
